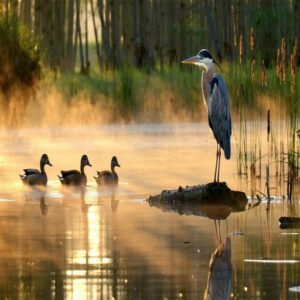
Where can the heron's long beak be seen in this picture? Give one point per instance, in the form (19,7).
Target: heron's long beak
(192,60)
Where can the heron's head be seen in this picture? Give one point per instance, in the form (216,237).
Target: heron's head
(203,59)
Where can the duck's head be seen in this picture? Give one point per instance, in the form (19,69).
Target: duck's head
(114,162)
(45,160)
(85,161)
(202,59)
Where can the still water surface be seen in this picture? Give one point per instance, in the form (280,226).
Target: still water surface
(104,244)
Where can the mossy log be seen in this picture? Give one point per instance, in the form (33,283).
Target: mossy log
(213,200)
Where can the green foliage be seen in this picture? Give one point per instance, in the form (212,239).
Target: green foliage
(19,57)
(126,82)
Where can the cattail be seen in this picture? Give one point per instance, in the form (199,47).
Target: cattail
(234,32)
(283,59)
(252,69)
(252,41)
(293,67)
(278,65)
(241,49)
(293,73)
(263,76)
(295,48)
(268,125)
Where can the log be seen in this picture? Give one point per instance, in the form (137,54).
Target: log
(214,200)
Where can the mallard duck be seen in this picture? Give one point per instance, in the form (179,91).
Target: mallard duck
(35,176)
(108,177)
(74,177)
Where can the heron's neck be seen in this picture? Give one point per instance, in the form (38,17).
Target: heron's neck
(207,76)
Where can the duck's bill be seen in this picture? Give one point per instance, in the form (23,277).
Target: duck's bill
(192,60)
(49,163)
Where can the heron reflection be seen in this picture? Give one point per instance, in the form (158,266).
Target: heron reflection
(220,269)
(219,279)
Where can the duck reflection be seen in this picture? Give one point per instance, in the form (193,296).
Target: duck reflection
(108,192)
(114,204)
(43,206)
(35,194)
(84,206)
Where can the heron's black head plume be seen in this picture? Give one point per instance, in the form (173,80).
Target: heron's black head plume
(204,53)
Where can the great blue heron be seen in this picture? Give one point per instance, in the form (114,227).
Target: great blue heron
(216,100)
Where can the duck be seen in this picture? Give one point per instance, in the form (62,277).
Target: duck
(35,176)
(75,177)
(108,177)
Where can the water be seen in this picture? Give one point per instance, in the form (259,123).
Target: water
(104,244)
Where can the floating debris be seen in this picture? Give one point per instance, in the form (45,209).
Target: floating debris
(237,233)
(185,242)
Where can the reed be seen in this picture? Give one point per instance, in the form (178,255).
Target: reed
(283,87)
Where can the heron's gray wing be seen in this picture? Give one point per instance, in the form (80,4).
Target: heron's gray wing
(31,171)
(219,116)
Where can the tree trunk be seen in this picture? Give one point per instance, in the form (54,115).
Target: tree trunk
(96,36)
(138,47)
(212,29)
(105,33)
(147,34)
(127,31)
(38,18)
(78,29)
(115,32)
(87,57)
(27,13)
(296,8)
(70,36)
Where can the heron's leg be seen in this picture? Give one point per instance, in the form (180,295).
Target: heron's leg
(219,163)
(216,229)
(216,166)
(219,225)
